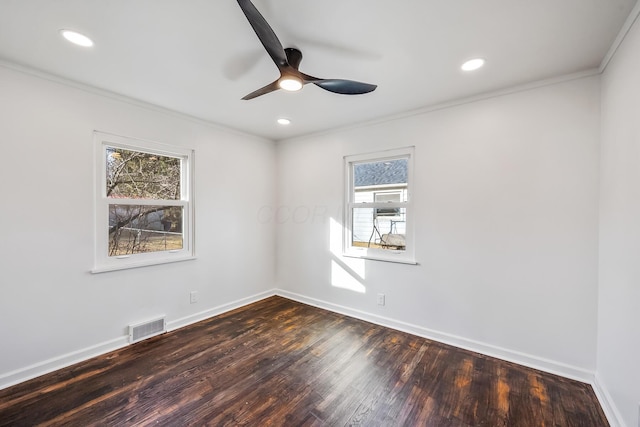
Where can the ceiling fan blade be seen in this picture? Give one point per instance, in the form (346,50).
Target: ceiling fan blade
(265,33)
(344,87)
(263,90)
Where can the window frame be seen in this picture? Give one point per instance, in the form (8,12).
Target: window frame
(406,256)
(102,261)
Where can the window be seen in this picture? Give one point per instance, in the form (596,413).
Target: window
(378,206)
(143,205)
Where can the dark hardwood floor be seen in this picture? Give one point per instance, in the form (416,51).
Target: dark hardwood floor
(281,363)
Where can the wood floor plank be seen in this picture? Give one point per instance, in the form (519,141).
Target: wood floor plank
(281,363)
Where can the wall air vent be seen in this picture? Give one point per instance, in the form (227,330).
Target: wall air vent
(144,330)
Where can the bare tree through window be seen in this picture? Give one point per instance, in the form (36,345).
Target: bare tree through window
(134,179)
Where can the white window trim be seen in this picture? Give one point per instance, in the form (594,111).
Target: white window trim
(102,261)
(404,257)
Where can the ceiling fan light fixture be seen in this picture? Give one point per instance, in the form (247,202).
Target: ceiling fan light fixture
(76,38)
(473,64)
(290,83)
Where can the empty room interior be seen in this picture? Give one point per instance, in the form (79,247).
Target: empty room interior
(364,213)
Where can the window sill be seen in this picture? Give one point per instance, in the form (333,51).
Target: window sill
(396,260)
(147,263)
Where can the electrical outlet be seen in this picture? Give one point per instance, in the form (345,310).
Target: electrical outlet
(193,297)
(380,299)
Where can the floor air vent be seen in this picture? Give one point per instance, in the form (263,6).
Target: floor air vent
(144,330)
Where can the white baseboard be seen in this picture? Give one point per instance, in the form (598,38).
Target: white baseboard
(609,408)
(59,362)
(542,364)
(24,374)
(215,311)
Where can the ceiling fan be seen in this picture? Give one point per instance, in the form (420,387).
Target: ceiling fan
(288,60)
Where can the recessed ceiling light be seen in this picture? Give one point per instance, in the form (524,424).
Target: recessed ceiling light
(473,64)
(77,38)
(284,121)
(290,83)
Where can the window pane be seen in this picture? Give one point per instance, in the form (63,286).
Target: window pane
(137,175)
(380,173)
(372,230)
(389,197)
(136,229)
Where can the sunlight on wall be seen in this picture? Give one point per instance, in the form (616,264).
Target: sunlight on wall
(341,278)
(346,273)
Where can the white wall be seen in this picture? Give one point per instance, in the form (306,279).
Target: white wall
(506,211)
(50,305)
(619,272)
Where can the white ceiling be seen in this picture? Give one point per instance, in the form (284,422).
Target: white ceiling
(199,57)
